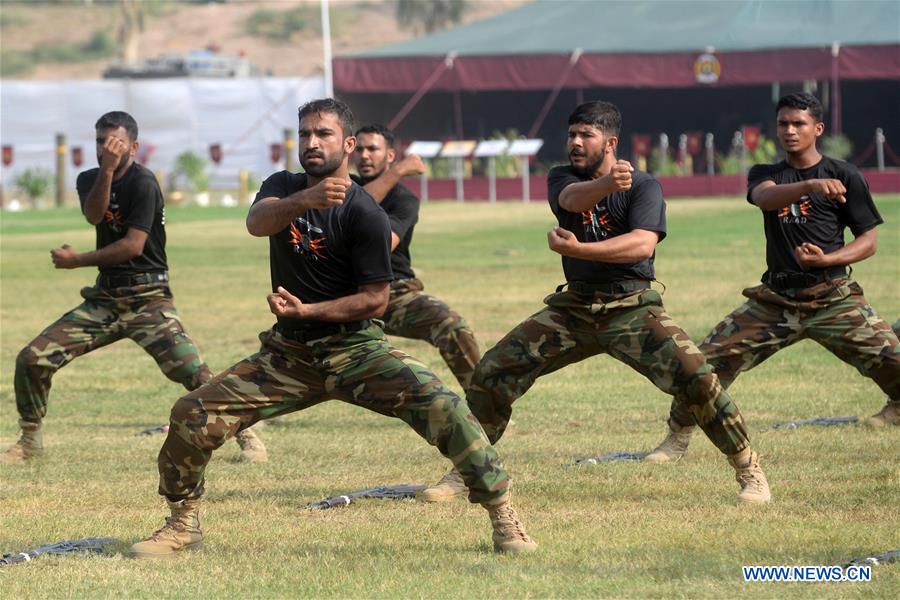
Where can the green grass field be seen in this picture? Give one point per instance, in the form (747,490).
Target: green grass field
(610,530)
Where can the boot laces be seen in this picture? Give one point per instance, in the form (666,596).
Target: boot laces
(508,522)
(172,527)
(748,478)
(452,478)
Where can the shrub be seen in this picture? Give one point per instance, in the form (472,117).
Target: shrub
(35,182)
(191,168)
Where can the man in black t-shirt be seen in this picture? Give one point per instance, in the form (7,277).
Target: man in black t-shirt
(329,253)
(807,200)
(410,312)
(131,298)
(610,219)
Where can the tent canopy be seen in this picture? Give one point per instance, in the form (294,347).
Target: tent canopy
(653,43)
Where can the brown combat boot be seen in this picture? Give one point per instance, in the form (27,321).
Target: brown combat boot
(447,488)
(674,446)
(754,486)
(889,415)
(509,533)
(181,532)
(29,446)
(252,448)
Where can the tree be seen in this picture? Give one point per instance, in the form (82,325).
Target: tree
(429,15)
(130,30)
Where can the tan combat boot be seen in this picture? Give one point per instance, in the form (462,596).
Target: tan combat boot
(252,448)
(889,415)
(509,533)
(449,487)
(181,532)
(30,444)
(674,446)
(754,486)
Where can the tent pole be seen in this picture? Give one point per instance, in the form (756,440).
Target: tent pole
(445,65)
(457,114)
(326,49)
(573,60)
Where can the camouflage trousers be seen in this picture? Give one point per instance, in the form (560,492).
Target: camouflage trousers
(142,313)
(834,314)
(285,376)
(634,329)
(415,315)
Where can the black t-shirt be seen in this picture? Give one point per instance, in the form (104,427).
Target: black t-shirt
(402,208)
(135,200)
(813,218)
(327,254)
(641,207)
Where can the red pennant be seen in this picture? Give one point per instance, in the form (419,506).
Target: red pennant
(215,153)
(275,152)
(77,156)
(7,155)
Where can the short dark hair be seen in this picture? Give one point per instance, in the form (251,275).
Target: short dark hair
(329,105)
(378,129)
(116,119)
(803,101)
(602,115)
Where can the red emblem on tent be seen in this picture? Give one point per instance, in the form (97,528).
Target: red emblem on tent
(751,137)
(145,151)
(694,142)
(215,153)
(77,156)
(640,144)
(275,152)
(7,155)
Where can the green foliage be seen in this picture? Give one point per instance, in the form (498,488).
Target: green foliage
(35,182)
(662,165)
(731,164)
(14,62)
(190,168)
(429,15)
(836,146)
(100,45)
(283,24)
(10,17)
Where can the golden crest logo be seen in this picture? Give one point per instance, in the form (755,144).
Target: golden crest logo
(707,68)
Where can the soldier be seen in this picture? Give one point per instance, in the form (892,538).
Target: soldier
(610,219)
(131,297)
(410,313)
(329,254)
(806,200)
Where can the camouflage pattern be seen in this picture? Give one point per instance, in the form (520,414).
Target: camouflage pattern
(633,328)
(834,314)
(285,376)
(415,315)
(143,313)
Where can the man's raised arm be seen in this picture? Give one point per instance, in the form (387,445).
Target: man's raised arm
(581,196)
(270,215)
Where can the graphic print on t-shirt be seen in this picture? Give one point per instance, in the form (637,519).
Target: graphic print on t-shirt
(113,216)
(596,222)
(303,242)
(797,212)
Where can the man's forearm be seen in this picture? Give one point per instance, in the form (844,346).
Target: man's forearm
(775,197)
(382,185)
(582,196)
(355,307)
(623,249)
(271,215)
(116,253)
(857,250)
(97,202)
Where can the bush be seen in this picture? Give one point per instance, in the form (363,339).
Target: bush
(191,168)
(35,182)
(836,146)
(14,62)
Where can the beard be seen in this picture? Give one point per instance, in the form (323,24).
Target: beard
(589,168)
(124,161)
(329,165)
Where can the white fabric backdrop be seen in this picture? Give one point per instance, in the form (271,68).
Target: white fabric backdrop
(244,116)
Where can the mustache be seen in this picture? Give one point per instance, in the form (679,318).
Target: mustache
(313,154)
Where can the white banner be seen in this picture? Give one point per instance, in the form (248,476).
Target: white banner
(243,116)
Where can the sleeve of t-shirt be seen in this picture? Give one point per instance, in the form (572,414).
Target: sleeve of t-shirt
(147,203)
(83,186)
(859,212)
(646,208)
(370,231)
(557,180)
(272,187)
(758,174)
(404,212)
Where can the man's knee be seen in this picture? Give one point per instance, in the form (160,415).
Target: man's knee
(192,422)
